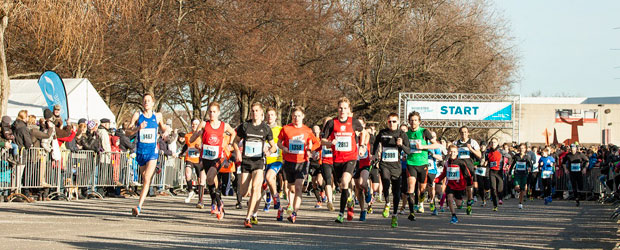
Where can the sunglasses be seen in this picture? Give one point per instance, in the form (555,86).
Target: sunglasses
(392,121)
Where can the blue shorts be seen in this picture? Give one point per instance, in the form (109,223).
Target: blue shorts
(142,159)
(276,166)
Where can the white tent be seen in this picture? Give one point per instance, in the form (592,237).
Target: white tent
(83,100)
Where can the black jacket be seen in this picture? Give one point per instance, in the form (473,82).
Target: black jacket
(125,142)
(22,134)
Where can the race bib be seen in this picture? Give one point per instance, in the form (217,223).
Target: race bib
(575,167)
(389,155)
(148,135)
(296,147)
(534,169)
(210,152)
(431,165)
(520,166)
(193,153)
(343,144)
(327,152)
(546,174)
(481,171)
(463,153)
(492,164)
(414,149)
(253,149)
(453,173)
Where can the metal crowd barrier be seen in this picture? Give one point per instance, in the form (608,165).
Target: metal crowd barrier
(36,169)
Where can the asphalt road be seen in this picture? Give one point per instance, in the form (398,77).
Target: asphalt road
(168,223)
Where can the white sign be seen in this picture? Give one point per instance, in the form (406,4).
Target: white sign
(479,111)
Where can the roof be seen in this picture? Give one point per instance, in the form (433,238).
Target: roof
(571,100)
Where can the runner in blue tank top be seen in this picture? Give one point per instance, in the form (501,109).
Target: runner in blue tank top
(146,124)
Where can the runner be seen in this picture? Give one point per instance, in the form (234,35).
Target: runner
(327,166)
(375,177)
(483,182)
(521,164)
(466,147)
(192,162)
(420,140)
(575,162)
(297,143)
(434,157)
(392,141)
(492,163)
(255,133)
(362,189)
(457,174)
(213,132)
(342,134)
(315,171)
(146,125)
(533,177)
(274,161)
(547,169)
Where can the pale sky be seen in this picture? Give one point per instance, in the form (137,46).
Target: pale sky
(565,48)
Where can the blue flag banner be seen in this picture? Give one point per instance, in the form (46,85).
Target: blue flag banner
(53,89)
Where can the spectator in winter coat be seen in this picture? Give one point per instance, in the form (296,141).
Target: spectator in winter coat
(7,135)
(61,131)
(104,135)
(21,131)
(125,143)
(39,133)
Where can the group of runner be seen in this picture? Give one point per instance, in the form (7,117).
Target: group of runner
(343,152)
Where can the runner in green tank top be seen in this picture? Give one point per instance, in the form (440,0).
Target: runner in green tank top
(421,140)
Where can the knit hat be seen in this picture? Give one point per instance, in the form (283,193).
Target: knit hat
(91,124)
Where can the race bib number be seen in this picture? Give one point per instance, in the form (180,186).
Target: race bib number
(464,153)
(520,166)
(575,167)
(481,171)
(296,147)
(414,148)
(210,152)
(193,153)
(453,173)
(327,152)
(390,155)
(431,165)
(253,149)
(343,144)
(546,174)
(148,135)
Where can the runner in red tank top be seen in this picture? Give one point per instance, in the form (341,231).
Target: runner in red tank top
(212,132)
(341,134)
(362,189)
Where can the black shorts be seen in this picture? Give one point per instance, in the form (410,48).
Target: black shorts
(343,167)
(458,194)
(315,170)
(374,174)
(358,172)
(328,172)
(208,164)
(389,173)
(251,166)
(472,172)
(294,171)
(418,172)
(196,166)
(430,179)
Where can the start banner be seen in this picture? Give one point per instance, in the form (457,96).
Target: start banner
(476,111)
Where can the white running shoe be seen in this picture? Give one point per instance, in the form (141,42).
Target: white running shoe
(190,196)
(520,206)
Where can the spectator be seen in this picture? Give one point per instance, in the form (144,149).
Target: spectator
(21,131)
(61,132)
(81,138)
(125,143)
(72,144)
(92,141)
(37,133)
(8,137)
(104,135)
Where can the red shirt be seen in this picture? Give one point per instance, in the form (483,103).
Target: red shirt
(212,140)
(495,159)
(365,162)
(297,140)
(327,155)
(456,172)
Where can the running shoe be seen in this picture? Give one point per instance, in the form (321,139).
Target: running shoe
(380,198)
(386,211)
(247,224)
(276,204)
(394,221)
(531,198)
(330,206)
(293,217)
(484,204)
(432,207)
(441,209)
(268,198)
(517,195)
(369,210)
(318,205)
(135,211)
(254,220)
(402,211)
(520,206)
(339,219)
(350,213)
(368,196)
(416,208)
(200,205)
(411,217)
(289,209)
(190,196)
(434,212)
(267,206)
(495,209)
(459,206)
(363,216)
(279,216)
(550,199)
(213,209)
(454,220)
(501,202)
(475,198)
(238,206)
(468,210)
(421,208)
(220,214)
